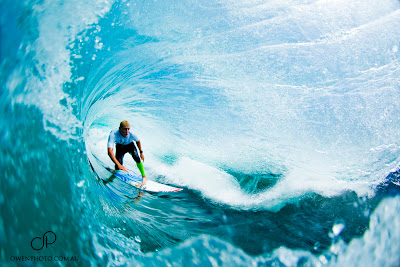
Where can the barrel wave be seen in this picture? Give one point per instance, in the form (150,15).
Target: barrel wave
(279,120)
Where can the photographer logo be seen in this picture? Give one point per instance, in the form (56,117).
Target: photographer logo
(39,243)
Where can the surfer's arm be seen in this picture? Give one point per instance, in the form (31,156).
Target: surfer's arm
(142,157)
(114,159)
(140,150)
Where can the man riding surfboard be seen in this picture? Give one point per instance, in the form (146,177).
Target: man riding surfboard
(124,140)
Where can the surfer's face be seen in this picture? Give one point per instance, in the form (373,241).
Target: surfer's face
(124,131)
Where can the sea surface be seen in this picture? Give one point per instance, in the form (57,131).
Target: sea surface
(279,119)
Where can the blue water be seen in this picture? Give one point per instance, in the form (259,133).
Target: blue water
(279,120)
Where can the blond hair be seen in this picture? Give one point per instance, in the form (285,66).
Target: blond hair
(124,124)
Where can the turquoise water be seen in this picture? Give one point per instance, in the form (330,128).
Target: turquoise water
(279,120)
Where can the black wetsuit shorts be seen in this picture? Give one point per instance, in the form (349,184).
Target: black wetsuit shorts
(121,150)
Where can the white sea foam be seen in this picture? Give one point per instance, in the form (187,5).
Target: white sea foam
(50,68)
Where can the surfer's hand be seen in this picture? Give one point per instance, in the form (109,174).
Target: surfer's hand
(122,168)
(142,156)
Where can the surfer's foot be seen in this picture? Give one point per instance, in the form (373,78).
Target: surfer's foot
(144,180)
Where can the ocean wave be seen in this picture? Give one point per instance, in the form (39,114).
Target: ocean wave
(258,110)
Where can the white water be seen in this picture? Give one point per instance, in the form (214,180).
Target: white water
(308,90)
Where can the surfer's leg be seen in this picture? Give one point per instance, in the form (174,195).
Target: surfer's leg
(120,151)
(136,158)
(141,168)
(133,151)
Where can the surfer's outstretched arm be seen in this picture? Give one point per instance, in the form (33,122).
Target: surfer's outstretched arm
(140,164)
(114,159)
(140,150)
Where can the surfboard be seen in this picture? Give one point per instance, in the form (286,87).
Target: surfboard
(135,180)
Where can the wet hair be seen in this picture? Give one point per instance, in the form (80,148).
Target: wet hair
(124,124)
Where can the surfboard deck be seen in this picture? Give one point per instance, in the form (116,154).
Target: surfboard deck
(136,180)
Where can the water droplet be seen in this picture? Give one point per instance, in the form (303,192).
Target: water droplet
(137,239)
(337,229)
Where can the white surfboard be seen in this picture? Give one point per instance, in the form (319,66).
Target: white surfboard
(136,181)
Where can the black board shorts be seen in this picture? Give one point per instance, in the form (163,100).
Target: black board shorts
(121,150)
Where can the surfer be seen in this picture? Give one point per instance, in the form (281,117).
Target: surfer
(123,140)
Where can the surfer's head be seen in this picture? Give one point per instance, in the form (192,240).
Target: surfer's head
(124,128)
